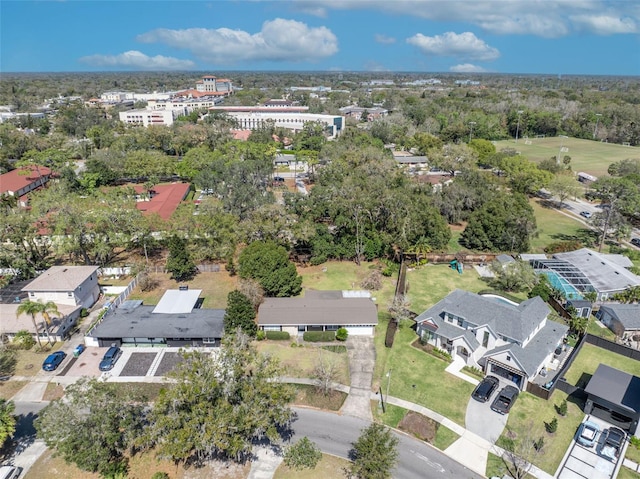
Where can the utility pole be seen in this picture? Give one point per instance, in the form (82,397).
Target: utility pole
(518,127)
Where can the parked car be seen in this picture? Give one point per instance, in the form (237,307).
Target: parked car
(586,214)
(79,349)
(588,433)
(110,358)
(635,242)
(612,443)
(485,389)
(504,401)
(10,472)
(52,361)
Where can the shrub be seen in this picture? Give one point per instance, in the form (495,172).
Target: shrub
(635,441)
(472,370)
(551,426)
(261,335)
(539,444)
(23,340)
(160,475)
(302,455)
(84,313)
(562,246)
(278,335)
(373,281)
(342,334)
(562,408)
(441,354)
(319,336)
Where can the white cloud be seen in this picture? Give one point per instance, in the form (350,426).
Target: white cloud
(544,18)
(279,41)
(605,24)
(384,39)
(451,44)
(134,59)
(467,68)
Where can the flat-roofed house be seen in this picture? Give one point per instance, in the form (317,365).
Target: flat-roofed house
(68,285)
(320,311)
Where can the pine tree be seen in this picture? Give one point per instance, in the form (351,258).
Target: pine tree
(240,313)
(179,263)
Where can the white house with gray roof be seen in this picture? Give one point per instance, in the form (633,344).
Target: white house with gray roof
(68,285)
(515,341)
(622,319)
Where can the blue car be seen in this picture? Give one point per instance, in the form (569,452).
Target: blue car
(110,357)
(588,434)
(78,350)
(53,361)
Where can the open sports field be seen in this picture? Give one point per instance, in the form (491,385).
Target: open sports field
(592,157)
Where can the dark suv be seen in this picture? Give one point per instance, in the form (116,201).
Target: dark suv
(484,390)
(110,357)
(507,396)
(635,242)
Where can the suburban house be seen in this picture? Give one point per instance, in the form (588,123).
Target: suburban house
(59,326)
(163,199)
(320,311)
(22,181)
(66,285)
(614,396)
(177,320)
(622,319)
(514,341)
(584,270)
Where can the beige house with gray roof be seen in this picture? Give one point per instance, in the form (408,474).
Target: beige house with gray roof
(68,285)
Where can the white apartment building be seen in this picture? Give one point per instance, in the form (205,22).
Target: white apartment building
(212,84)
(146,117)
(250,118)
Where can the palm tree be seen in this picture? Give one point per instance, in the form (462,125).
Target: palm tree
(33,308)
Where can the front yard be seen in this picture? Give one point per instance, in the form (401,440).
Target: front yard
(527,419)
(417,376)
(299,361)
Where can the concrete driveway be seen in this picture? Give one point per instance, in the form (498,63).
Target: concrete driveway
(484,422)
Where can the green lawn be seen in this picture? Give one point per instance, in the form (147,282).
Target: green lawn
(592,157)
(591,356)
(554,226)
(430,283)
(528,416)
(417,376)
(595,329)
(627,474)
(299,362)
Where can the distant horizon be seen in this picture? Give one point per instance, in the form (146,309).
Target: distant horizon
(525,37)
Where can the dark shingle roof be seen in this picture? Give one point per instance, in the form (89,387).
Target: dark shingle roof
(627,314)
(318,309)
(515,322)
(141,322)
(618,387)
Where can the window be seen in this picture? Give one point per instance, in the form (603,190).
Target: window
(208,340)
(485,339)
(508,358)
(70,294)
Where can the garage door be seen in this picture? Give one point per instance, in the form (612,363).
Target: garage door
(360,330)
(623,422)
(504,373)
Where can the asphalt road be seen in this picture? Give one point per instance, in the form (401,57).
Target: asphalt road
(336,434)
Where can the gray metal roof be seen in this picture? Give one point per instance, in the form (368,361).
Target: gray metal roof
(320,308)
(142,322)
(615,386)
(627,314)
(603,272)
(515,322)
(176,301)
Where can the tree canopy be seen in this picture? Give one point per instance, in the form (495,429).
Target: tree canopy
(268,263)
(375,453)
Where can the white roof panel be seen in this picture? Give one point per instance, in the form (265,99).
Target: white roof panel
(175,301)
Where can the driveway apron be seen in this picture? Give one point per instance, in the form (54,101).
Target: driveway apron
(362,357)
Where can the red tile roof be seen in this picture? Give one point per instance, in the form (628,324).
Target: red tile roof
(166,200)
(199,94)
(241,134)
(16,179)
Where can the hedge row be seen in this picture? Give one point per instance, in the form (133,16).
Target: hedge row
(319,336)
(278,335)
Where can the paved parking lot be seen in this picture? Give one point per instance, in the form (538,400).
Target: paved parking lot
(586,463)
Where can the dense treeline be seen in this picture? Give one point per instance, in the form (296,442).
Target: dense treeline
(359,205)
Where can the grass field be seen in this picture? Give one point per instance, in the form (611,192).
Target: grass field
(591,356)
(554,226)
(627,474)
(527,418)
(329,466)
(299,362)
(592,157)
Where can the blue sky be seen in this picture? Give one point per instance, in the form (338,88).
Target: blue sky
(563,37)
